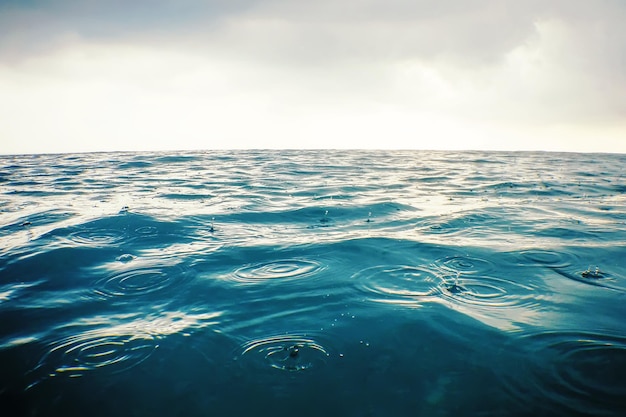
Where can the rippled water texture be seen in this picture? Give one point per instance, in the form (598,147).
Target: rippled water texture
(308,283)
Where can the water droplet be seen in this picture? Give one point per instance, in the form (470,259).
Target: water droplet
(593,273)
(125,258)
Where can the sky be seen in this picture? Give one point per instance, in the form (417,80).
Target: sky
(115,75)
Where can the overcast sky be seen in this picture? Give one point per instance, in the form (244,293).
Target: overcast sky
(86,75)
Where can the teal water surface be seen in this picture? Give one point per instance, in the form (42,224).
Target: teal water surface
(308,283)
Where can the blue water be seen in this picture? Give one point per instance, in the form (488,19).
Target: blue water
(309,283)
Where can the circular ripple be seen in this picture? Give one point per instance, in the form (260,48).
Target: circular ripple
(291,353)
(464,264)
(281,269)
(147,231)
(77,355)
(99,237)
(487,291)
(548,258)
(443,227)
(581,372)
(399,284)
(140,281)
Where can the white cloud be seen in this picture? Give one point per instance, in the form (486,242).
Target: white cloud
(451,74)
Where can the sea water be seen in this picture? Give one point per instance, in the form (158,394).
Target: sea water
(309,283)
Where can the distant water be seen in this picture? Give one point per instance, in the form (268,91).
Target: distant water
(313,283)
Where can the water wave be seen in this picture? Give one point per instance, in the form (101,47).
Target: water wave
(283,269)
(489,291)
(114,348)
(573,372)
(140,280)
(289,352)
(445,277)
(98,237)
(465,264)
(461,284)
(593,275)
(399,284)
(547,257)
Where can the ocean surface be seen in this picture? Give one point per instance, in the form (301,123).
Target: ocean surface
(313,283)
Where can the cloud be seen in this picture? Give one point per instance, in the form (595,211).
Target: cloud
(42,27)
(356,67)
(470,31)
(326,32)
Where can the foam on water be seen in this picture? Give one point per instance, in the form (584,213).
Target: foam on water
(353,283)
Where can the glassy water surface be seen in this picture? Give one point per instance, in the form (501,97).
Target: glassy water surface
(307,283)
